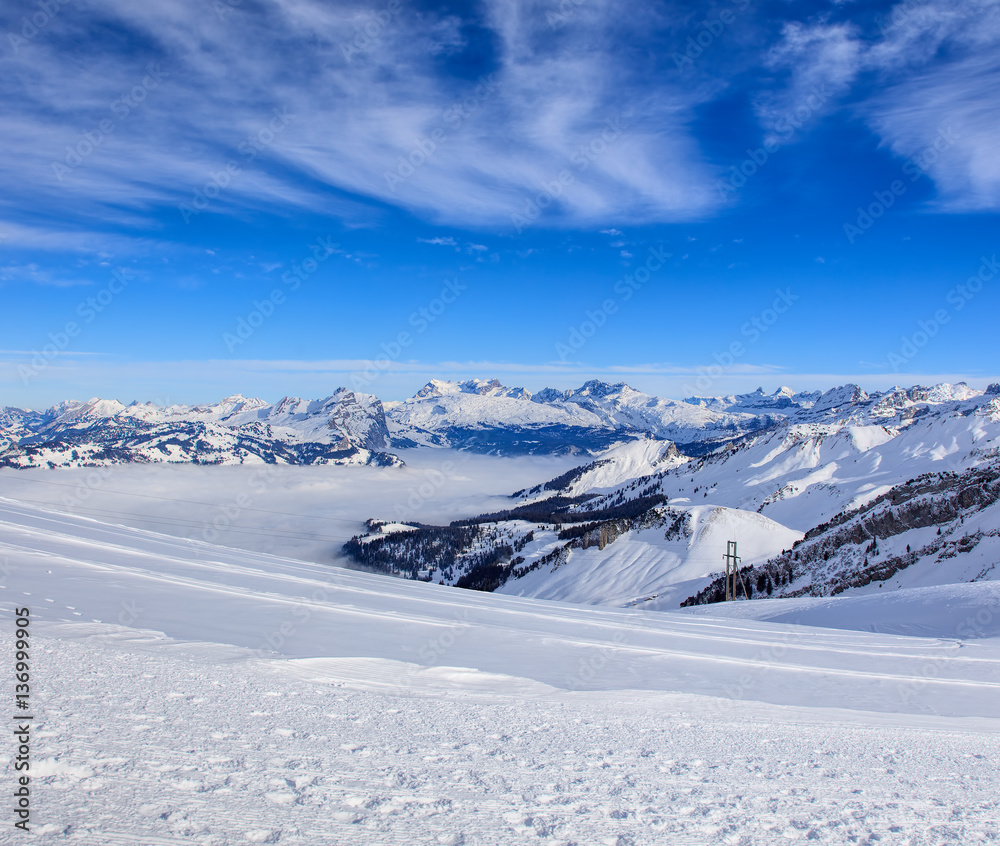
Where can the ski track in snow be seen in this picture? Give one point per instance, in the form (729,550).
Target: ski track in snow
(160,744)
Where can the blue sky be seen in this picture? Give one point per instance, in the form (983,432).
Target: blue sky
(280,197)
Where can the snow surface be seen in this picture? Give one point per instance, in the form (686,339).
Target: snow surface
(641,562)
(624,462)
(189,693)
(968,611)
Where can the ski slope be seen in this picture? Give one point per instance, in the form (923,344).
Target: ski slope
(189,693)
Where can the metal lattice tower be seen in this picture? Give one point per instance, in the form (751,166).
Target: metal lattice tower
(733,572)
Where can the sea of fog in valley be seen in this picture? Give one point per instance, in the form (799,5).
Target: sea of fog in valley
(303,512)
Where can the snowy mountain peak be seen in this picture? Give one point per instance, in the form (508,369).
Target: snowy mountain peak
(479,387)
(345,427)
(83,413)
(438,388)
(548,395)
(234,404)
(837,398)
(598,389)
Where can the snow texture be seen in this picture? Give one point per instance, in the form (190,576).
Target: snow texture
(190,693)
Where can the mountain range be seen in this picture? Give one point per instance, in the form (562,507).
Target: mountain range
(344,428)
(824,492)
(832,492)
(477,415)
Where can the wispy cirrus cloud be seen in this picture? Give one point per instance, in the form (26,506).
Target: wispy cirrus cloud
(34,274)
(121,112)
(91,129)
(922,69)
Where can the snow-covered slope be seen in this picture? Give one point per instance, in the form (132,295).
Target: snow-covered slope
(617,465)
(801,474)
(187,693)
(967,611)
(75,570)
(643,562)
(627,526)
(937,529)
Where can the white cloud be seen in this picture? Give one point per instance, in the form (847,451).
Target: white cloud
(943,114)
(34,274)
(355,114)
(937,69)
(822,61)
(948,126)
